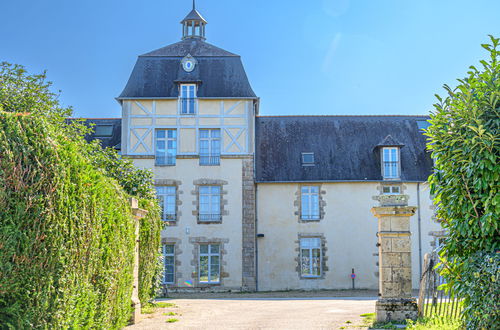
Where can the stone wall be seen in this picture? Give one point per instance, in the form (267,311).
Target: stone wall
(248,226)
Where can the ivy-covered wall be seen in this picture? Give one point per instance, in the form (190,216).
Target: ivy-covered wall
(66,232)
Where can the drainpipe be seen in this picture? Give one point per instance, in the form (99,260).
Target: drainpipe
(419,232)
(256,244)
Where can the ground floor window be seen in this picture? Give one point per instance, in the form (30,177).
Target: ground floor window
(169,263)
(209,263)
(310,257)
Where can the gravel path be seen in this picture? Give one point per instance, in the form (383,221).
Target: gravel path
(291,310)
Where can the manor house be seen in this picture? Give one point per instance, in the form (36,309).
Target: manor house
(256,202)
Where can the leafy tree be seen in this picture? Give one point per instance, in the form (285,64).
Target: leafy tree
(30,96)
(465,141)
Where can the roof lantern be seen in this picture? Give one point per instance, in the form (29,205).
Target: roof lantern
(193,25)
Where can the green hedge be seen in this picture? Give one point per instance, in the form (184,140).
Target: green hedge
(66,233)
(138,183)
(480,288)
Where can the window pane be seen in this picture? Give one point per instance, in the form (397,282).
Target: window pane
(160,145)
(214,273)
(204,248)
(160,134)
(304,262)
(169,249)
(214,248)
(204,133)
(103,130)
(203,269)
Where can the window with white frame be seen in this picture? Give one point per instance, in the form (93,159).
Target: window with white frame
(391,190)
(167,196)
(168,263)
(307,158)
(309,199)
(209,263)
(310,257)
(390,162)
(166,146)
(209,199)
(187,99)
(209,143)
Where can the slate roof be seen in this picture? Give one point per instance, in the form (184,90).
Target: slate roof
(113,141)
(194,15)
(218,72)
(345,147)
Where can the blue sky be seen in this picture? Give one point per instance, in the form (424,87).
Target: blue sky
(302,57)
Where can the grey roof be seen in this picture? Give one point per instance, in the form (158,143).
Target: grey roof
(344,148)
(113,141)
(194,15)
(218,72)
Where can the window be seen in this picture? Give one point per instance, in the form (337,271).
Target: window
(209,146)
(390,162)
(167,195)
(310,257)
(209,199)
(187,99)
(166,146)
(309,203)
(169,263)
(209,263)
(307,158)
(103,130)
(391,190)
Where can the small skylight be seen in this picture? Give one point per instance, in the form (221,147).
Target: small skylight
(103,130)
(308,159)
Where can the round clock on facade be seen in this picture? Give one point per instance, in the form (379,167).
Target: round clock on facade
(188,63)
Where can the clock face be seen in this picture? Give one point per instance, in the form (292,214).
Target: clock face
(188,63)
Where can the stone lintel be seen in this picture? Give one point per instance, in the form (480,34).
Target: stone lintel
(398,211)
(394,233)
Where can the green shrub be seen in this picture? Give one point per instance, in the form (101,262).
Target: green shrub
(481,291)
(66,233)
(465,144)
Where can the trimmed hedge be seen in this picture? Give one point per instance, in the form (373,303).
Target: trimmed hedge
(66,233)
(138,183)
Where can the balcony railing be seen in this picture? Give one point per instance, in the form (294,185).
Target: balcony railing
(209,160)
(169,217)
(209,217)
(165,160)
(309,217)
(188,105)
(391,170)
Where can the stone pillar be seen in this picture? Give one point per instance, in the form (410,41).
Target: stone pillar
(394,243)
(136,303)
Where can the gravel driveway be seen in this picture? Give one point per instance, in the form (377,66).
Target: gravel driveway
(262,312)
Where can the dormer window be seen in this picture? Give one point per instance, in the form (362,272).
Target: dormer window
(308,159)
(390,162)
(187,99)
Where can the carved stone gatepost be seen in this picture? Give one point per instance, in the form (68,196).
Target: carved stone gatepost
(136,303)
(394,246)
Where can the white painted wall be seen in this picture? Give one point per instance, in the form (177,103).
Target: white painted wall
(349,229)
(186,171)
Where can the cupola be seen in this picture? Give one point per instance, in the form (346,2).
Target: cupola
(193,25)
